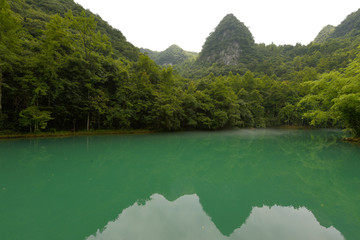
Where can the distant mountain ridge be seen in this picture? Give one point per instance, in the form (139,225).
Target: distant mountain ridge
(232,43)
(171,56)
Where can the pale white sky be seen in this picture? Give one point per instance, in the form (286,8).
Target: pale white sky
(157,24)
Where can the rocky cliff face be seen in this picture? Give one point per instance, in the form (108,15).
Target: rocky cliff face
(230,43)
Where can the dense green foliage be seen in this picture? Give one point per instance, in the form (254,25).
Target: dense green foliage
(9,42)
(63,68)
(35,15)
(334,99)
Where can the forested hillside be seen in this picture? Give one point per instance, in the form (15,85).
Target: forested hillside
(35,14)
(63,68)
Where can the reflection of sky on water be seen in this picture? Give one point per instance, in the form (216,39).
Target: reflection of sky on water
(185,219)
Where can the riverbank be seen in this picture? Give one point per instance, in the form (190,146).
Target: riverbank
(9,135)
(12,135)
(352,139)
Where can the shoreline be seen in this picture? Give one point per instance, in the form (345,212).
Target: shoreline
(15,135)
(71,134)
(352,139)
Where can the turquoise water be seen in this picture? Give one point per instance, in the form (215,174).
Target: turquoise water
(240,184)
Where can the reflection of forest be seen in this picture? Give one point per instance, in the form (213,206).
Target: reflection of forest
(96,178)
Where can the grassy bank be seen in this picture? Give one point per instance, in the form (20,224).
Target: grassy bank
(9,135)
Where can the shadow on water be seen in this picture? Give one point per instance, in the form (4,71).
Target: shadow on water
(68,188)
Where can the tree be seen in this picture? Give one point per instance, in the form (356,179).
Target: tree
(9,42)
(89,44)
(288,114)
(34,118)
(86,50)
(348,107)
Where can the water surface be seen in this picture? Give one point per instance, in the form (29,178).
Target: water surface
(242,184)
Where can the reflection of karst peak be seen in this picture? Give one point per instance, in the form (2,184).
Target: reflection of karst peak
(230,180)
(184,218)
(231,172)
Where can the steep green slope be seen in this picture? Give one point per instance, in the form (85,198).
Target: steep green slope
(35,15)
(350,26)
(324,34)
(229,44)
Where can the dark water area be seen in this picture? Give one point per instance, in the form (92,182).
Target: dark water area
(239,184)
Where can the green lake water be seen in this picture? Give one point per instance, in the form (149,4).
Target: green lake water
(239,184)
